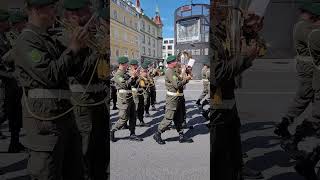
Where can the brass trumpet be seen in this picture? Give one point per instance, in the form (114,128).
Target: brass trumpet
(92,44)
(102,68)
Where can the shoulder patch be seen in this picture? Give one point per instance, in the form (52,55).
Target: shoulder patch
(174,77)
(35,56)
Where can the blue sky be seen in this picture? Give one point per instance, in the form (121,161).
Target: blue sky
(167,8)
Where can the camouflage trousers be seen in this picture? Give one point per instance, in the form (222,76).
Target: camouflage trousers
(127,112)
(175,111)
(304,93)
(205,91)
(54,146)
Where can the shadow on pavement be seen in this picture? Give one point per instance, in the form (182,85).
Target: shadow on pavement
(18,166)
(197,130)
(257,126)
(289,175)
(269,160)
(259,142)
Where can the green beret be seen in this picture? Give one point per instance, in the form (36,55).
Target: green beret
(171,59)
(134,62)
(40,2)
(145,65)
(4,15)
(17,17)
(75,4)
(104,13)
(123,60)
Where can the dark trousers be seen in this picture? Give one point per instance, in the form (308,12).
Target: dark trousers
(13,105)
(153,95)
(226,152)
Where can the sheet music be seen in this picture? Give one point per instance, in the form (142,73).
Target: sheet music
(191,62)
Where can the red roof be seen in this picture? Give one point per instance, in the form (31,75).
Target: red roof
(157,20)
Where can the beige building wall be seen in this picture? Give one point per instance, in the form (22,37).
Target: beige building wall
(150,33)
(124,32)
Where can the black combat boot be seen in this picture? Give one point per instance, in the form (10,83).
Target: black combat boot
(143,124)
(15,145)
(183,139)
(134,137)
(112,137)
(291,145)
(205,102)
(158,139)
(306,166)
(248,173)
(148,114)
(282,128)
(198,102)
(153,108)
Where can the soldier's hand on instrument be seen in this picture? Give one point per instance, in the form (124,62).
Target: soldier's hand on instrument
(75,41)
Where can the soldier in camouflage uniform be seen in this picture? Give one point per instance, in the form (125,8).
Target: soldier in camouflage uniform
(147,92)
(305,92)
(4,48)
(13,91)
(205,83)
(153,93)
(91,114)
(42,69)
(306,165)
(137,92)
(126,105)
(174,101)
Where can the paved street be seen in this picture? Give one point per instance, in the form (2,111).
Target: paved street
(148,160)
(268,88)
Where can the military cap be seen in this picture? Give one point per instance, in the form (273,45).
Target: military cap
(145,65)
(4,15)
(17,17)
(148,62)
(75,4)
(134,62)
(104,13)
(171,59)
(123,60)
(40,2)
